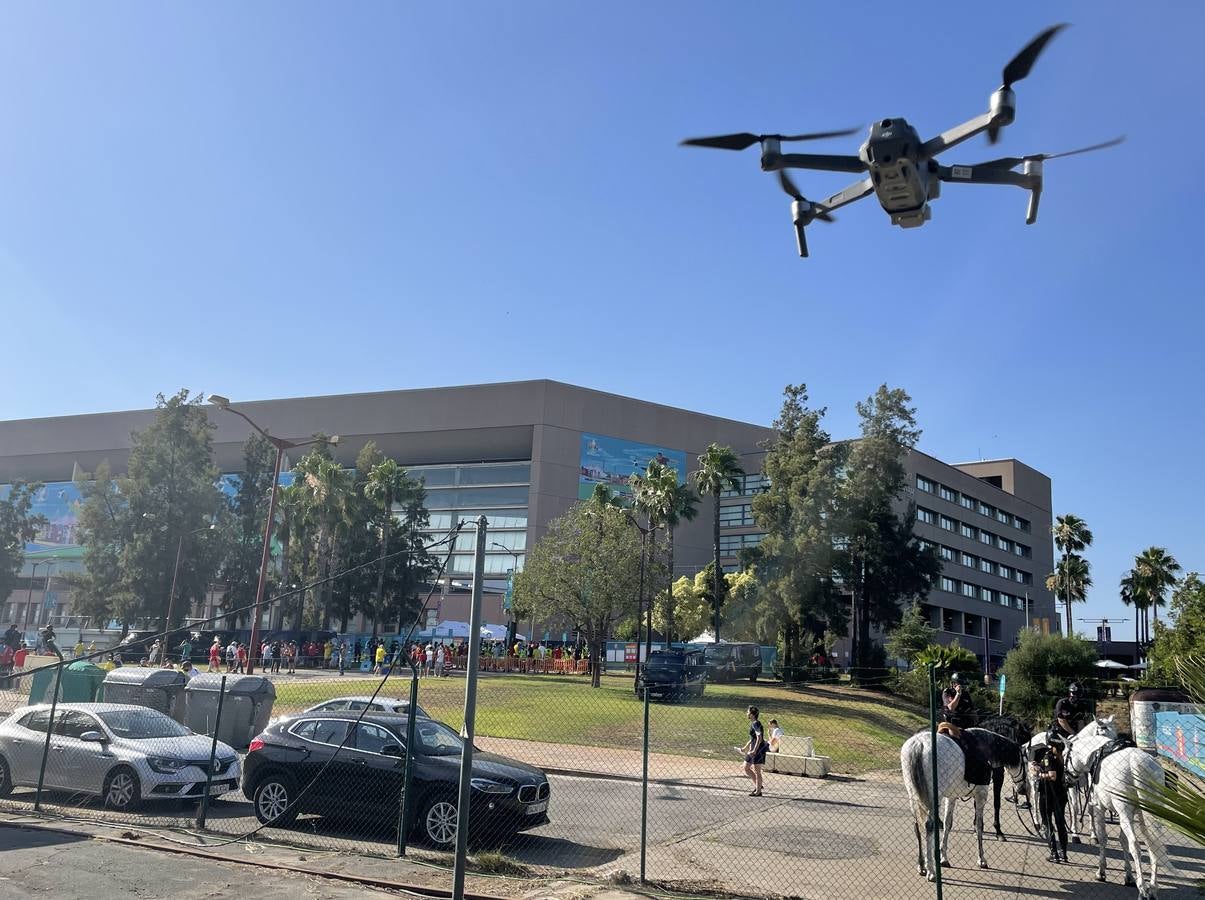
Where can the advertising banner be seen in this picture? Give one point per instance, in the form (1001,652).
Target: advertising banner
(611,461)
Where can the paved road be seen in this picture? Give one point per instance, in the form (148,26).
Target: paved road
(836,838)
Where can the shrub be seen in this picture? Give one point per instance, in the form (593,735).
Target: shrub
(1039,669)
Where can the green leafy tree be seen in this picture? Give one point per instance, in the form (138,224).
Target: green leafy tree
(241,531)
(692,605)
(794,562)
(101,590)
(1071,537)
(586,569)
(880,559)
(1039,669)
(719,470)
(604,496)
(1184,635)
(18,526)
(911,635)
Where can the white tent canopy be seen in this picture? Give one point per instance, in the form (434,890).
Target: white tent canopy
(705,638)
(1110,664)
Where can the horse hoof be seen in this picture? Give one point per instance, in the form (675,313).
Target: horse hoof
(1001,838)
(930,877)
(945,864)
(983,863)
(1100,876)
(1130,882)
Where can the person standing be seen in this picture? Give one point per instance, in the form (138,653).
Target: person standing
(265,657)
(215,655)
(342,651)
(231,655)
(755,751)
(1048,771)
(185,650)
(240,659)
(380,659)
(440,659)
(12,637)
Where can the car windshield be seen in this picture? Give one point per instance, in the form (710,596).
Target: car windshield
(141,724)
(717,654)
(437,739)
(665,661)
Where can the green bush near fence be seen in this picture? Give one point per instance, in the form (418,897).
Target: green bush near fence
(861,730)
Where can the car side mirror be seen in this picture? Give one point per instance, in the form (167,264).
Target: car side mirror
(391,750)
(93,737)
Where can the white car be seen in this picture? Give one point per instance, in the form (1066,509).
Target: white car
(390,705)
(121,753)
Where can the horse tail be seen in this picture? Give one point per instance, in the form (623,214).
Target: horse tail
(916,775)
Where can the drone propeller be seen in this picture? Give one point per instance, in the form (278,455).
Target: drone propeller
(745,140)
(789,186)
(1011,162)
(1018,67)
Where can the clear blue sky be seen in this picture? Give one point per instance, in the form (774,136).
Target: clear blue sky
(280,199)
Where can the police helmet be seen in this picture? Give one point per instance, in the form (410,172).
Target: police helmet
(1074,688)
(956,678)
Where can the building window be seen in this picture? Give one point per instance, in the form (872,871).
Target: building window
(740,514)
(966,502)
(1003,517)
(1023,524)
(926,515)
(754,483)
(949,584)
(947,620)
(968,560)
(1022,550)
(986,565)
(1006,599)
(1024,577)
(987,595)
(925,545)
(969,590)
(1006,572)
(947,523)
(968,531)
(924,484)
(948,494)
(987,537)
(946,553)
(1004,544)
(986,510)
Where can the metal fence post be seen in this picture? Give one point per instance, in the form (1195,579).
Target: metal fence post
(406,807)
(54,703)
(644,787)
(203,811)
(935,813)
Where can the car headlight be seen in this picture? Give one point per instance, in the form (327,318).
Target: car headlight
(166,765)
(490,787)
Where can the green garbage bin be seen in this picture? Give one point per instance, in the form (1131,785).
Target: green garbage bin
(83,682)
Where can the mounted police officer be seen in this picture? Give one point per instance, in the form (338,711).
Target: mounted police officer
(957,707)
(1069,713)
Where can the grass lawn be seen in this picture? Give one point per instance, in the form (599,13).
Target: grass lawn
(861,730)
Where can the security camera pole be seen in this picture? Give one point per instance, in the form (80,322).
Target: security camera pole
(281,446)
(470,712)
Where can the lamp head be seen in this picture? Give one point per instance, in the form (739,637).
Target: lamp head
(219,401)
(333,439)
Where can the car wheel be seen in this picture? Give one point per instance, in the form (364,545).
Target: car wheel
(6,778)
(121,790)
(438,822)
(273,798)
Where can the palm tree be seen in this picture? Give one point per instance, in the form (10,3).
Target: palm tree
(386,482)
(1071,535)
(658,495)
(1131,595)
(327,489)
(1156,570)
(1071,574)
(718,469)
(683,507)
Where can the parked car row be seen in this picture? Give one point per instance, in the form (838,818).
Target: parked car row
(679,674)
(329,760)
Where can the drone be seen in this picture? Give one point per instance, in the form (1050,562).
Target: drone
(903,171)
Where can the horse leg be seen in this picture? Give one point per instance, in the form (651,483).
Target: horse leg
(1129,848)
(920,842)
(997,784)
(980,803)
(946,828)
(930,868)
(1102,838)
(1154,846)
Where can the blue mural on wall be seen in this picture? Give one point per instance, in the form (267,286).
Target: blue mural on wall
(611,461)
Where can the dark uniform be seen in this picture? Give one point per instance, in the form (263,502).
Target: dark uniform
(1071,710)
(962,713)
(1048,769)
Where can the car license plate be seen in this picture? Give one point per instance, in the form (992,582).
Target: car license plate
(220,788)
(535,808)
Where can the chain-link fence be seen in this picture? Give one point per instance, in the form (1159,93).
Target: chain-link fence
(825,792)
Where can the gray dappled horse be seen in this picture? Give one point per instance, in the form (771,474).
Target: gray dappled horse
(992,751)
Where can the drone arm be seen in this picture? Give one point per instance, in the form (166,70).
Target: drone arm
(956,135)
(851,194)
(772,162)
(1030,180)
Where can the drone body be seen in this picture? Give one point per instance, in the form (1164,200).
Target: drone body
(900,168)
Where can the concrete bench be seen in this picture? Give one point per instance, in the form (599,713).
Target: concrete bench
(796,756)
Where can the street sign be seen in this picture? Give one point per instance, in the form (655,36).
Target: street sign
(1003,682)
(507,599)
(50,600)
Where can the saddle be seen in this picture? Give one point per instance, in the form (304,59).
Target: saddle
(1097,756)
(976,769)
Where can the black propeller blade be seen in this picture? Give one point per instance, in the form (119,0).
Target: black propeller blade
(789,186)
(1018,67)
(1011,162)
(745,140)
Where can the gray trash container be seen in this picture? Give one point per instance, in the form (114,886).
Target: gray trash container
(245,710)
(159,689)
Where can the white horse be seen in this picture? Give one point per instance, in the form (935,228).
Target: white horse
(1123,775)
(915,763)
(1077,784)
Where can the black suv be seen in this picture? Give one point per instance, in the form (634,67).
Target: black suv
(728,662)
(672,675)
(364,780)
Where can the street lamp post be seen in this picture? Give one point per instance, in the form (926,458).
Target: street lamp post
(33,570)
(510,615)
(171,596)
(281,446)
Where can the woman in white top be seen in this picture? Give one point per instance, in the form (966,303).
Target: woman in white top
(776,736)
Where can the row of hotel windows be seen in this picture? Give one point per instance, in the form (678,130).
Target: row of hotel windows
(991,567)
(929,517)
(755,483)
(957,622)
(731,544)
(967,502)
(975,592)
(739,514)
